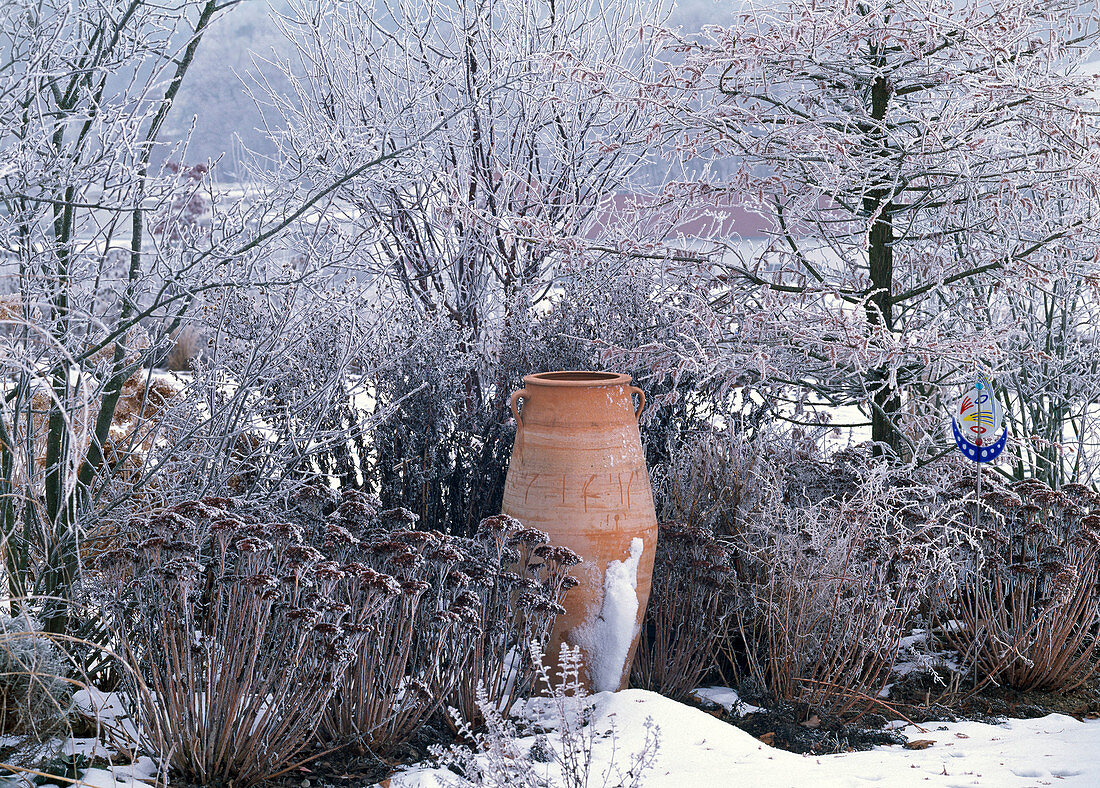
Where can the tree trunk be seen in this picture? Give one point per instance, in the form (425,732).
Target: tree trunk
(878,203)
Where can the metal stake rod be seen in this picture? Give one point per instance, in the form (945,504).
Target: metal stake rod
(977,462)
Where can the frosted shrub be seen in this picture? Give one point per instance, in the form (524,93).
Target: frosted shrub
(35,695)
(826,589)
(1026,606)
(712,479)
(234,635)
(705,490)
(499,761)
(562,755)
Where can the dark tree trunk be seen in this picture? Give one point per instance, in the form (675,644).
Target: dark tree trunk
(886,402)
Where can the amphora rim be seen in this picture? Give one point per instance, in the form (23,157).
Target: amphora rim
(577,378)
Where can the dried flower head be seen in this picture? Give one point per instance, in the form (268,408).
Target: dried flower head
(250,544)
(398,517)
(498,524)
(529,537)
(559,554)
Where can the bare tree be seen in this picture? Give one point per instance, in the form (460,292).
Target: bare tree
(526,149)
(107,249)
(901,153)
(521,151)
(84,96)
(1050,383)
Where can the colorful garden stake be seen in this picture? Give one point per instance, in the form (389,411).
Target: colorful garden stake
(976,422)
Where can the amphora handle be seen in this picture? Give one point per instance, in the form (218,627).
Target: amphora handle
(513,403)
(641,401)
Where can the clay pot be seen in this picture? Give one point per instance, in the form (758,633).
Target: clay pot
(578,473)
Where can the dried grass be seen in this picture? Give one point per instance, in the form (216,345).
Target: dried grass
(827,585)
(35,691)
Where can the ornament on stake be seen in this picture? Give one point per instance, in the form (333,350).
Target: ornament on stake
(976,421)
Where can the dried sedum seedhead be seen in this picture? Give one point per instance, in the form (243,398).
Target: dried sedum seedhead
(518,581)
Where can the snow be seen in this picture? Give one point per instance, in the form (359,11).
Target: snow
(606,638)
(728,699)
(109,711)
(914,655)
(118,733)
(697,749)
(141,772)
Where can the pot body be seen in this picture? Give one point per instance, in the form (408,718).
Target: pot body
(578,473)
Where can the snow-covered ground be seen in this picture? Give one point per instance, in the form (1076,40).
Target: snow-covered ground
(697,750)
(143,771)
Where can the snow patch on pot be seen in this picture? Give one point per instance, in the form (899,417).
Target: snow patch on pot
(606,637)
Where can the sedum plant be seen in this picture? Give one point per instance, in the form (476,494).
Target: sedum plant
(466,610)
(411,656)
(234,635)
(519,581)
(1026,607)
(246,636)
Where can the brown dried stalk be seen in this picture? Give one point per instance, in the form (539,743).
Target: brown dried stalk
(691,575)
(707,491)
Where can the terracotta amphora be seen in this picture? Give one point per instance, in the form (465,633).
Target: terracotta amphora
(578,473)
